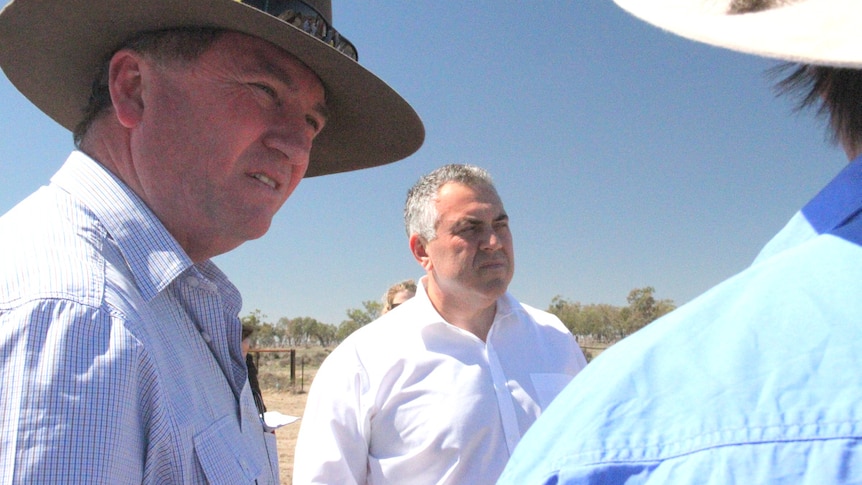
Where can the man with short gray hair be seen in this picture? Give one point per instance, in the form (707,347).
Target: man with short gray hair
(441,388)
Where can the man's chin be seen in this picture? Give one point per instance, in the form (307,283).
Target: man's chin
(496,287)
(257,230)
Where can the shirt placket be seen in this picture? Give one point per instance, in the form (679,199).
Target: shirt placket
(504,398)
(206,312)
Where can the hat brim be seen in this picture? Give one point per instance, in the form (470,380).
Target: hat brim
(821,32)
(50,50)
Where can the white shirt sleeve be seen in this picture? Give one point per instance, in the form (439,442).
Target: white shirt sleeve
(332,446)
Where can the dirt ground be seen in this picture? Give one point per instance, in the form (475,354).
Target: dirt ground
(288,403)
(280,395)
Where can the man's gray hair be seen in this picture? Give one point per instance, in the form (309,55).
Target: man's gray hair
(420,210)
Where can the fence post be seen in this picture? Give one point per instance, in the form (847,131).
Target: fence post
(293,367)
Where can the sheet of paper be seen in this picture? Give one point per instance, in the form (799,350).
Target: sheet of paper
(274,420)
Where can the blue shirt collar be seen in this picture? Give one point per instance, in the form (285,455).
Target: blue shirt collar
(838,202)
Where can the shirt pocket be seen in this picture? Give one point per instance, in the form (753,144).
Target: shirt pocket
(548,385)
(221,455)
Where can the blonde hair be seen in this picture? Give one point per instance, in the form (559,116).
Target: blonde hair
(406,285)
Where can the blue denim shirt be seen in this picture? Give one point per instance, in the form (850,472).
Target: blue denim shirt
(120,360)
(755,381)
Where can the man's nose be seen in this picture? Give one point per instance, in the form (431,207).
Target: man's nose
(292,135)
(491,241)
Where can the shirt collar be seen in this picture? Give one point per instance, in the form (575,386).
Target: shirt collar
(154,257)
(838,202)
(506,305)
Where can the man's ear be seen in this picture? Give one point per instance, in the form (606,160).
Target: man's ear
(125,83)
(420,252)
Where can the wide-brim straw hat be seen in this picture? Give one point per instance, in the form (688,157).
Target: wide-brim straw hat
(51,50)
(820,32)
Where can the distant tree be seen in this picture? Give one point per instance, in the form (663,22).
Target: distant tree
(345,329)
(282,329)
(642,310)
(323,333)
(569,313)
(373,308)
(255,319)
(301,330)
(366,316)
(289,331)
(607,323)
(594,321)
(602,319)
(266,336)
(357,318)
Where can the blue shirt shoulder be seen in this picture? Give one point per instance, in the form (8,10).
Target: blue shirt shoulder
(754,381)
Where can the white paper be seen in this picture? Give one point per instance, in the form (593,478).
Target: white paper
(274,420)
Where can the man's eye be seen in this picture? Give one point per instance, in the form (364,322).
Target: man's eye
(266,89)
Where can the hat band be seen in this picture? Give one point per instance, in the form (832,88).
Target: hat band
(305,18)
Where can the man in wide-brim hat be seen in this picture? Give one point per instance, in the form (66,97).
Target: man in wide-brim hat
(120,357)
(757,380)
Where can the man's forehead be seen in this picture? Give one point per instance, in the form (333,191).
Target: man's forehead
(274,61)
(475,207)
(479,215)
(264,51)
(459,190)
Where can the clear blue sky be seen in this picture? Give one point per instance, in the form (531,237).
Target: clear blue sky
(625,157)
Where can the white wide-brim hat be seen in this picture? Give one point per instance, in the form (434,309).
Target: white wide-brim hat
(821,32)
(51,50)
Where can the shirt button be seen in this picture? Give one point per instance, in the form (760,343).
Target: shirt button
(206,336)
(192,281)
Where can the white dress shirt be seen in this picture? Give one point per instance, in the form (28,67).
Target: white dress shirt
(410,398)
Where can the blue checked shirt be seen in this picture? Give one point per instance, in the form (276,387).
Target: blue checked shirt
(120,360)
(757,381)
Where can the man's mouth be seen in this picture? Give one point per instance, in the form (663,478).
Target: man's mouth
(497,263)
(268,181)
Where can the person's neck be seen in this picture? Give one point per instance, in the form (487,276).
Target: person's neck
(109,145)
(475,318)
